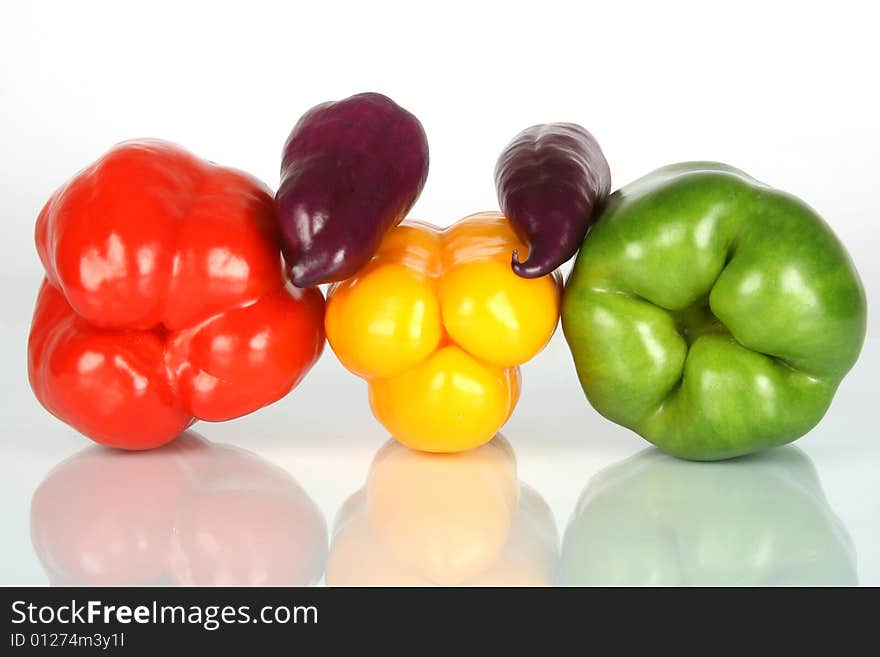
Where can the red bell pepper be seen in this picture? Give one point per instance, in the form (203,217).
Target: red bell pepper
(165,299)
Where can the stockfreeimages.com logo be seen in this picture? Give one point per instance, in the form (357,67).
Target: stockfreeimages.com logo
(210,617)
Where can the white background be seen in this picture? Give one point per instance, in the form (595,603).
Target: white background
(787,92)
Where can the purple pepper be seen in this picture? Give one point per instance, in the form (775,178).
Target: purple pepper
(350,171)
(550,181)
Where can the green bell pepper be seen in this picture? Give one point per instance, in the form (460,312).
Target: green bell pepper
(712,314)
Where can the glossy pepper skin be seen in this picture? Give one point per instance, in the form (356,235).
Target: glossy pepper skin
(712,314)
(165,299)
(551,180)
(438,323)
(350,171)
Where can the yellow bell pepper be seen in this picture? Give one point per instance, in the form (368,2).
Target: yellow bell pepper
(443,519)
(437,322)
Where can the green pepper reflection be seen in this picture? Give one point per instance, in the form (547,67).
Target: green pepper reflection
(653,520)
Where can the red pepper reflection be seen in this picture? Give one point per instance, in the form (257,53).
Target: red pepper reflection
(189,513)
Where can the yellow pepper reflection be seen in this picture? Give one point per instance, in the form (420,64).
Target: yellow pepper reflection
(443,519)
